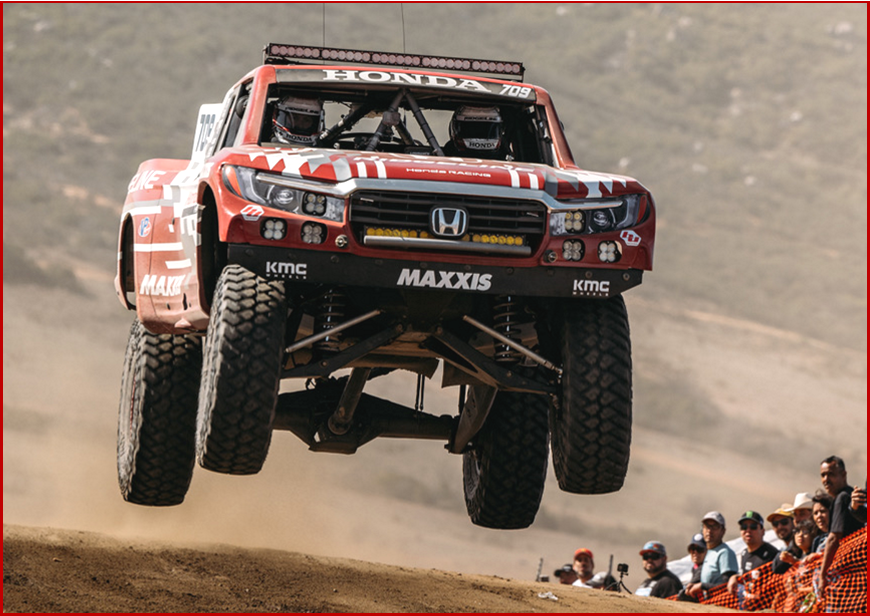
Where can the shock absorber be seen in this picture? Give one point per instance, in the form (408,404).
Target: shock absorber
(505,319)
(331,313)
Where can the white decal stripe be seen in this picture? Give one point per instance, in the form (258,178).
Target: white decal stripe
(177,264)
(146,209)
(361,170)
(382,169)
(515,178)
(533,181)
(157,247)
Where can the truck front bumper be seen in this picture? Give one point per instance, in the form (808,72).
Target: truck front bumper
(346,269)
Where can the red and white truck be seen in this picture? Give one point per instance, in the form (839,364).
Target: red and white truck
(357,213)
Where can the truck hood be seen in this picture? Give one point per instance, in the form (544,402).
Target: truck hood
(334,166)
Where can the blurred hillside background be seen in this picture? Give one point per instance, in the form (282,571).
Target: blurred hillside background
(748,122)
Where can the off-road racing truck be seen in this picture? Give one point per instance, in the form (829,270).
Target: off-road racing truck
(357,213)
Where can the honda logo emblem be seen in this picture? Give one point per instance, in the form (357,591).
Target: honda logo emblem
(448,221)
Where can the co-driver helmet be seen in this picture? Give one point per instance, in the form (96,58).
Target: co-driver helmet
(297,120)
(477,129)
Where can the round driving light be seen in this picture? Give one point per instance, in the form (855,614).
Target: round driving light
(601,220)
(282,197)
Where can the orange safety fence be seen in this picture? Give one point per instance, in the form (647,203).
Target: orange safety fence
(795,590)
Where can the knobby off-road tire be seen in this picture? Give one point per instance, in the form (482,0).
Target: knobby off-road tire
(157,417)
(241,372)
(590,423)
(505,470)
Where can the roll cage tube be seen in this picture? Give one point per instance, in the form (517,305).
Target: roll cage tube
(328,137)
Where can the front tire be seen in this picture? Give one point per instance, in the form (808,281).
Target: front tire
(241,372)
(590,422)
(157,417)
(505,470)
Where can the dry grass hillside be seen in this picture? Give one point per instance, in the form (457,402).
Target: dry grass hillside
(747,122)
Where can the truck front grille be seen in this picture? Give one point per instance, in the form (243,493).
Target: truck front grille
(409,211)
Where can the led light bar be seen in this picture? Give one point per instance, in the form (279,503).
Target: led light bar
(275,53)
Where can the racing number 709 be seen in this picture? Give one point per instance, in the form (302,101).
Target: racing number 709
(206,126)
(515,91)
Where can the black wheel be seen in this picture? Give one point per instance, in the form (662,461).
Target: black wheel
(157,417)
(505,470)
(240,373)
(590,423)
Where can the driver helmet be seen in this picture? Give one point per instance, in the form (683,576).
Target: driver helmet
(477,129)
(297,120)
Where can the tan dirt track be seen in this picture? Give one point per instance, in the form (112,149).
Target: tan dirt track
(49,570)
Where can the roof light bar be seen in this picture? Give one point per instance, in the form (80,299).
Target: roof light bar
(275,53)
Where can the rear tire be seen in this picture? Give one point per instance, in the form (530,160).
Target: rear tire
(590,423)
(241,372)
(157,417)
(505,470)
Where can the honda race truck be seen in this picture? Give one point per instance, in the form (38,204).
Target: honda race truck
(346,214)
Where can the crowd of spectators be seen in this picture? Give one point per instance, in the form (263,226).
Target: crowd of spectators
(813,524)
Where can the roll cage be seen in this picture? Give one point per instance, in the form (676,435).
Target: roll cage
(379,119)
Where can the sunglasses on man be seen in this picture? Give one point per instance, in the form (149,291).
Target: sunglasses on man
(749,526)
(781,522)
(651,556)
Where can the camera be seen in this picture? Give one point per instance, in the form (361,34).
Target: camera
(622,568)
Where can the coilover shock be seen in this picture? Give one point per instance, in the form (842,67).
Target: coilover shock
(505,319)
(331,313)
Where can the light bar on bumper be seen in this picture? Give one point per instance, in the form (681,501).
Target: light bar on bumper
(421,243)
(584,216)
(278,192)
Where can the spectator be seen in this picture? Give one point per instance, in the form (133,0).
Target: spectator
(782,521)
(843,524)
(565,574)
(805,532)
(660,581)
(802,508)
(783,524)
(822,504)
(858,507)
(604,581)
(757,551)
(799,584)
(697,551)
(720,563)
(584,567)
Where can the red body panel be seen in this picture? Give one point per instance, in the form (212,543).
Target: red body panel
(163,197)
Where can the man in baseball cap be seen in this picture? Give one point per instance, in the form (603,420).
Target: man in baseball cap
(697,549)
(660,581)
(757,550)
(721,561)
(584,566)
(565,574)
(782,521)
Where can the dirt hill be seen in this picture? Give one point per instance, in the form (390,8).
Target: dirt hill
(49,570)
